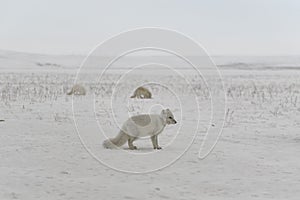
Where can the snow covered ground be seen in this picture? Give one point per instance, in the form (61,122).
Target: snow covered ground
(42,157)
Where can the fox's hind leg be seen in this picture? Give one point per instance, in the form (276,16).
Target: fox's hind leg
(130,143)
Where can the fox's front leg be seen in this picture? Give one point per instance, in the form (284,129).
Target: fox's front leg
(155,142)
(130,143)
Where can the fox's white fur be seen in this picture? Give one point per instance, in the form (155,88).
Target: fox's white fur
(141,126)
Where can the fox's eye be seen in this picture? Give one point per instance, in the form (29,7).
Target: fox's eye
(170,117)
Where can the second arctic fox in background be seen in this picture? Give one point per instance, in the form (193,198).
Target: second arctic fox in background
(141,126)
(142,93)
(77,90)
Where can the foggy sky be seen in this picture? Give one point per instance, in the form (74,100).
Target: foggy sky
(229,27)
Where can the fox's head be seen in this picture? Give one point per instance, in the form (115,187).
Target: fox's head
(168,116)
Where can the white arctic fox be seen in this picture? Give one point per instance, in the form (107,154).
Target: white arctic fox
(141,126)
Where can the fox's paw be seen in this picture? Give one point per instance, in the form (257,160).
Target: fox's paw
(157,148)
(133,148)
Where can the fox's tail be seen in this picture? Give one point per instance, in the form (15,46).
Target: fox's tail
(133,96)
(69,93)
(118,141)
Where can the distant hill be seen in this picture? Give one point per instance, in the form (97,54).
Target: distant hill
(20,60)
(10,60)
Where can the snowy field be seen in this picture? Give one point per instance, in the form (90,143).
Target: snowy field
(42,156)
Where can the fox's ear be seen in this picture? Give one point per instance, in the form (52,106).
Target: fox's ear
(163,111)
(168,110)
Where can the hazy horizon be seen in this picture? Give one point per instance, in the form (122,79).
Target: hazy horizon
(86,54)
